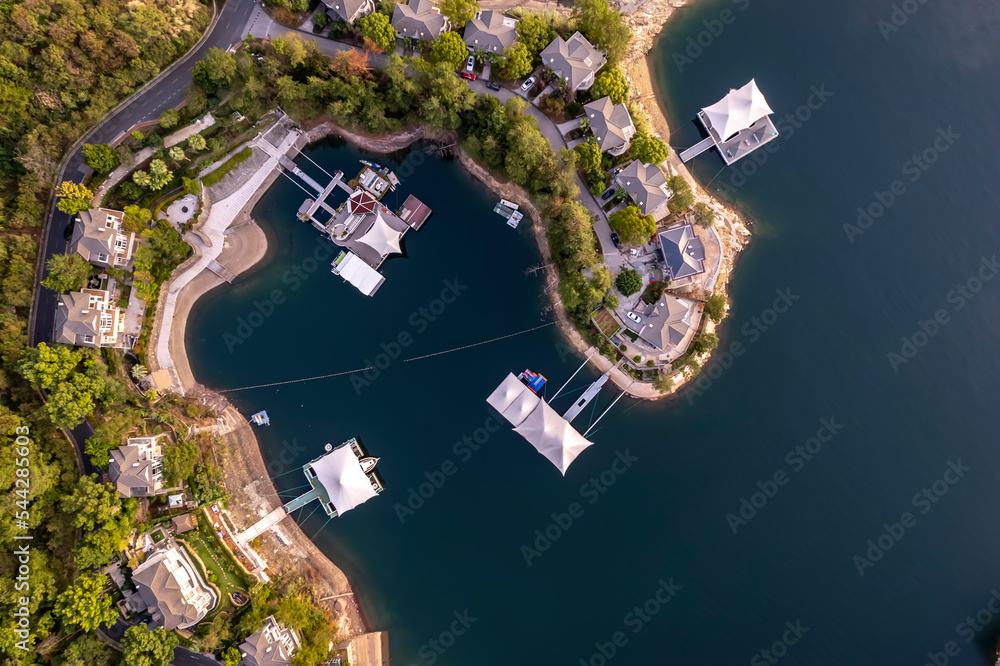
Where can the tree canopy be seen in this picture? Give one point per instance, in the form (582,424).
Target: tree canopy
(377,28)
(648,149)
(632,225)
(67,272)
(84,603)
(100,157)
(449,49)
(535,32)
(611,83)
(628,282)
(602,26)
(518,61)
(73,197)
(169,118)
(683,196)
(715,307)
(142,647)
(459,12)
(179,461)
(704,216)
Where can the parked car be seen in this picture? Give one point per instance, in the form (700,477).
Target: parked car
(607,195)
(527,84)
(634,317)
(493,85)
(470,64)
(467,75)
(615,239)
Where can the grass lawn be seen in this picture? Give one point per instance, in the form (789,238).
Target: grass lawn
(217,562)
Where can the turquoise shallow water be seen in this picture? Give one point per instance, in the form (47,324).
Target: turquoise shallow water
(653,554)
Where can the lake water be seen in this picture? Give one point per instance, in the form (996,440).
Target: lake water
(789,580)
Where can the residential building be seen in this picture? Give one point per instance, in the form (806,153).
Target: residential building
(136,469)
(88,318)
(491,32)
(349,11)
(273,645)
(611,124)
(575,60)
(647,187)
(99,238)
(172,589)
(419,19)
(683,252)
(666,324)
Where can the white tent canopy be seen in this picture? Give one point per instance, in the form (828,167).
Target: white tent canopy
(361,275)
(553,436)
(381,237)
(738,110)
(340,473)
(513,400)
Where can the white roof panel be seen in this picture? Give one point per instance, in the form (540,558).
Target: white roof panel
(552,436)
(340,473)
(361,275)
(738,110)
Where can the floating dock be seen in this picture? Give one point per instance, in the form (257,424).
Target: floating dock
(261,418)
(737,125)
(348,266)
(414,212)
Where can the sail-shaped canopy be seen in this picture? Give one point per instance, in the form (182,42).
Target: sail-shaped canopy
(552,436)
(381,237)
(737,111)
(513,400)
(342,478)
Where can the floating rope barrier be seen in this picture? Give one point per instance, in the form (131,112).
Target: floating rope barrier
(476,344)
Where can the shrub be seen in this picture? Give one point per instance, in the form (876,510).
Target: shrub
(230,164)
(637,358)
(650,363)
(715,307)
(628,282)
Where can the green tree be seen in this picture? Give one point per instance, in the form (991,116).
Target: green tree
(664,382)
(159,175)
(129,190)
(459,12)
(176,153)
(683,196)
(136,218)
(100,157)
(84,603)
(142,647)
(589,156)
(73,197)
(632,225)
(169,118)
(602,26)
(449,49)
(67,272)
(704,216)
(196,143)
(518,59)
(141,178)
(179,461)
(109,434)
(611,83)
(581,295)
(535,32)
(137,135)
(704,343)
(89,650)
(91,503)
(320,19)
(231,656)
(648,149)
(628,282)
(191,185)
(219,69)
(379,30)
(715,307)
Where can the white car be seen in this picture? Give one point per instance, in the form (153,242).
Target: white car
(634,317)
(527,84)
(470,64)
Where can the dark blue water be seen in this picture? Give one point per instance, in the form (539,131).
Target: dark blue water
(820,366)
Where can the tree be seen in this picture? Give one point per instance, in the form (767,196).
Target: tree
(67,272)
(611,83)
(602,26)
(648,149)
(219,69)
(84,603)
(142,647)
(581,295)
(704,216)
(704,343)
(179,461)
(231,656)
(159,175)
(136,218)
(141,178)
(715,307)
(589,156)
(89,650)
(169,118)
(100,157)
(664,382)
(137,135)
(72,394)
(139,371)
(379,30)
(632,225)
(628,282)
(518,59)
(191,185)
(535,32)
(320,19)
(91,504)
(73,197)
(459,12)
(176,153)
(683,197)
(449,49)
(129,190)
(196,143)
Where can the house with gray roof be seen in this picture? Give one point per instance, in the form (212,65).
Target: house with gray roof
(348,11)
(98,237)
(172,589)
(491,32)
(647,187)
(419,19)
(575,60)
(666,324)
(611,124)
(88,318)
(136,469)
(683,252)
(273,645)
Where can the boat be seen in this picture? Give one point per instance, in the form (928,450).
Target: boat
(533,380)
(261,418)
(368,464)
(515,219)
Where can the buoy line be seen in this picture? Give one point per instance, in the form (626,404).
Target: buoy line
(476,344)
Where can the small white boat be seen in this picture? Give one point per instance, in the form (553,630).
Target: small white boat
(368,464)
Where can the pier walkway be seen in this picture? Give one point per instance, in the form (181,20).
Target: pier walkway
(697,149)
(221,271)
(275,517)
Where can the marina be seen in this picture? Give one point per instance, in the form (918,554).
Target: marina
(737,125)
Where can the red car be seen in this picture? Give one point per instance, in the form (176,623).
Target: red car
(469,75)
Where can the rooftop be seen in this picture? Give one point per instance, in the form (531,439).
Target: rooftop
(574,59)
(611,124)
(420,19)
(646,185)
(683,252)
(173,590)
(490,31)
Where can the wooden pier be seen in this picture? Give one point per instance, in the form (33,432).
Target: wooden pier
(221,271)
(697,149)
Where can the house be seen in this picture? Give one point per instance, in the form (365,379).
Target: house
(647,186)
(98,237)
(184,523)
(420,19)
(575,60)
(491,32)
(136,469)
(172,589)
(87,318)
(666,324)
(683,252)
(273,645)
(611,124)
(349,11)
(371,649)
